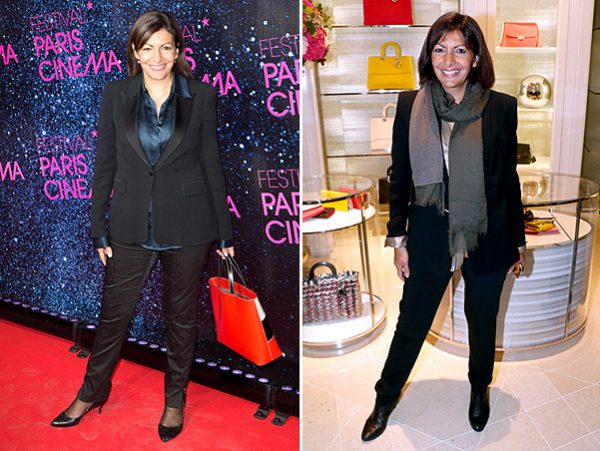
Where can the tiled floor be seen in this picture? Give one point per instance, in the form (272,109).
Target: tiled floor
(541,400)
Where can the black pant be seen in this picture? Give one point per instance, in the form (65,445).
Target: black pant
(423,292)
(126,273)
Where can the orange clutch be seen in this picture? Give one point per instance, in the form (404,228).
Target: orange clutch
(240,320)
(520,34)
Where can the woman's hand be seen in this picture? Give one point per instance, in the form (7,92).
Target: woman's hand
(105,252)
(519,266)
(401,263)
(226,251)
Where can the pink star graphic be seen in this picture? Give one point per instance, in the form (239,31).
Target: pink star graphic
(94,133)
(205,22)
(89,5)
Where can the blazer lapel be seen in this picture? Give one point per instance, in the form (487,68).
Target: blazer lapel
(131,101)
(183,112)
(488,123)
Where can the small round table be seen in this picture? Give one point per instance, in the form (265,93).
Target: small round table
(336,337)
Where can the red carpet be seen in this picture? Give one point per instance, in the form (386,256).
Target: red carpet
(39,378)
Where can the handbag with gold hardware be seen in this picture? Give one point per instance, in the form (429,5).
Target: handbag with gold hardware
(390,72)
(520,34)
(387,12)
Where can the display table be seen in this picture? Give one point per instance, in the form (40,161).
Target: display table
(335,337)
(548,303)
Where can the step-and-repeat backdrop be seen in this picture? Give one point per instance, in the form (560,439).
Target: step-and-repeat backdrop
(55,58)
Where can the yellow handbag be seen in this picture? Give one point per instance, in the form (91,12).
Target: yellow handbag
(390,72)
(339,199)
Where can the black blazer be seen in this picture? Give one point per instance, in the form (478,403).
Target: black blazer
(428,231)
(186,185)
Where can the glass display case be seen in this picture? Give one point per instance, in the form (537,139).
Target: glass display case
(355,194)
(548,303)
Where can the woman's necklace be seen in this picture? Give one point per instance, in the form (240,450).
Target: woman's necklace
(160,97)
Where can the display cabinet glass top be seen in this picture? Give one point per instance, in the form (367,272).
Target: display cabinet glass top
(548,188)
(338,187)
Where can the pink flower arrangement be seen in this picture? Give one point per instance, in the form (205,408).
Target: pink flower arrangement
(315,21)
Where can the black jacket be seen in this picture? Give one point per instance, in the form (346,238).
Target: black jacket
(187,187)
(428,231)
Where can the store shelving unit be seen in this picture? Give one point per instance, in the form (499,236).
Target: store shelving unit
(556,131)
(346,104)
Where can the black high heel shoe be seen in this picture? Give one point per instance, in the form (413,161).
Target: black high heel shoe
(167,433)
(65,421)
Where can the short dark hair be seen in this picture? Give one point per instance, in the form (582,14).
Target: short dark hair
(145,26)
(483,72)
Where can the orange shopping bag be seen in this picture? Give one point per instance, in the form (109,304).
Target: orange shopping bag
(240,320)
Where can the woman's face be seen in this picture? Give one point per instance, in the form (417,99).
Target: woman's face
(158,55)
(452,61)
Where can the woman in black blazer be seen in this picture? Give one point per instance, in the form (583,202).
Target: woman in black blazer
(455,203)
(157,153)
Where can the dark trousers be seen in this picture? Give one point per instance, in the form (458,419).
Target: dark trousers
(423,292)
(126,273)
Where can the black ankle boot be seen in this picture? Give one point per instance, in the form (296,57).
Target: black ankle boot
(479,409)
(377,422)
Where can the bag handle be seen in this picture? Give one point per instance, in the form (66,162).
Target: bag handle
(311,273)
(386,108)
(387,44)
(232,269)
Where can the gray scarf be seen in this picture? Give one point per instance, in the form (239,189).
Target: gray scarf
(466,187)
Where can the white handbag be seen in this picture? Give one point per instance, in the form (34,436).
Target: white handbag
(381,130)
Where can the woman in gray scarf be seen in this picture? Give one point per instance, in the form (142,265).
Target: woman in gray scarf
(455,203)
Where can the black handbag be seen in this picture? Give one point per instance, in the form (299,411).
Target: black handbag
(384,187)
(524,155)
(330,296)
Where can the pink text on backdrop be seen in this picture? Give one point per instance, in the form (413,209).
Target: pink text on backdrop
(188,32)
(284,102)
(56,20)
(278,178)
(275,204)
(10,171)
(232,207)
(223,83)
(66,62)
(281,72)
(62,143)
(69,168)
(57,69)
(68,42)
(279,47)
(280,231)
(7,53)
(67,189)
(64,165)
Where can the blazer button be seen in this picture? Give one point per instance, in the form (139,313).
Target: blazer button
(151,174)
